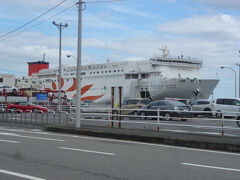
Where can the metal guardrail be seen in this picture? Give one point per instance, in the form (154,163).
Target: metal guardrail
(204,120)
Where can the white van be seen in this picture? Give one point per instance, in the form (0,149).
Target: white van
(229,107)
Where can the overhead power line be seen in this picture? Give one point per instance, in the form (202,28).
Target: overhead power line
(102,1)
(27,23)
(41,22)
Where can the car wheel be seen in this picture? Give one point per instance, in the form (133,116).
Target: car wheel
(167,116)
(34,110)
(14,91)
(238,122)
(219,115)
(142,115)
(14,109)
(135,114)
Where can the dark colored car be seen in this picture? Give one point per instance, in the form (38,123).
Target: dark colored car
(168,109)
(24,106)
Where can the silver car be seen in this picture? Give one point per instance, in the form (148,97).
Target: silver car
(202,105)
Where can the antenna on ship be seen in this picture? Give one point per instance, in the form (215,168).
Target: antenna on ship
(165,51)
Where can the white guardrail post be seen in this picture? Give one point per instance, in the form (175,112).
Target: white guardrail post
(222,133)
(28,110)
(109,117)
(40,111)
(158,118)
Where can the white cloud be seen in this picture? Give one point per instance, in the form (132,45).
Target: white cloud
(223,4)
(17,51)
(215,39)
(96,21)
(127,10)
(217,27)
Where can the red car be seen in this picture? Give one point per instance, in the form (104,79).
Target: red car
(26,106)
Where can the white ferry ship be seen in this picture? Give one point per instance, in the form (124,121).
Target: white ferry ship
(156,78)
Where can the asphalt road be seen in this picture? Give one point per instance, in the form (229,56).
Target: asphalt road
(37,155)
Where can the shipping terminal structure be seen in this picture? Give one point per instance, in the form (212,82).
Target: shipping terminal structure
(155,78)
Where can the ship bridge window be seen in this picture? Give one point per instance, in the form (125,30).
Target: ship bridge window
(83,73)
(1,80)
(131,76)
(143,76)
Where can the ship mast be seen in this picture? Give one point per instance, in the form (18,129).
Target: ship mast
(165,51)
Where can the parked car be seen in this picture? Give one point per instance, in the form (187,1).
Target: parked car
(131,106)
(8,89)
(229,107)
(202,105)
(168,109)
(24,106)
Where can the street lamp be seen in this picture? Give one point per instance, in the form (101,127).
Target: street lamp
(60,27)
(235,75)
(238,79)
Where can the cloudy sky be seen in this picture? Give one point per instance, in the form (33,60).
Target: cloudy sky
(129,30)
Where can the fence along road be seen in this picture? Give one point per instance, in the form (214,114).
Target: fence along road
(203,124)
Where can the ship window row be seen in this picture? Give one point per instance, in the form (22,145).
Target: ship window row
(26,81)
(102,72)
(103,66)
(184,62)
(105,77)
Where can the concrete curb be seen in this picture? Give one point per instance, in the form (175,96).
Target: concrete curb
(231,144)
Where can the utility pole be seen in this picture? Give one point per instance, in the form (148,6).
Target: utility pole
(60,27)
(238,79)
(79,59)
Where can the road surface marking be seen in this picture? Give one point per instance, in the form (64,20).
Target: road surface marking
(20,175)
(139,143)
(27,131)
(160,145)
(31,137)
(84,150)
(4,140)
(211,167)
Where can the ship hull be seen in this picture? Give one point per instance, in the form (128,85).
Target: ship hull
(184,89)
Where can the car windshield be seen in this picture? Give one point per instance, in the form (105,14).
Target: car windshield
(31,104)
(176,103)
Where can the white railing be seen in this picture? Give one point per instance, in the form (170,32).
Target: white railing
(158,120)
